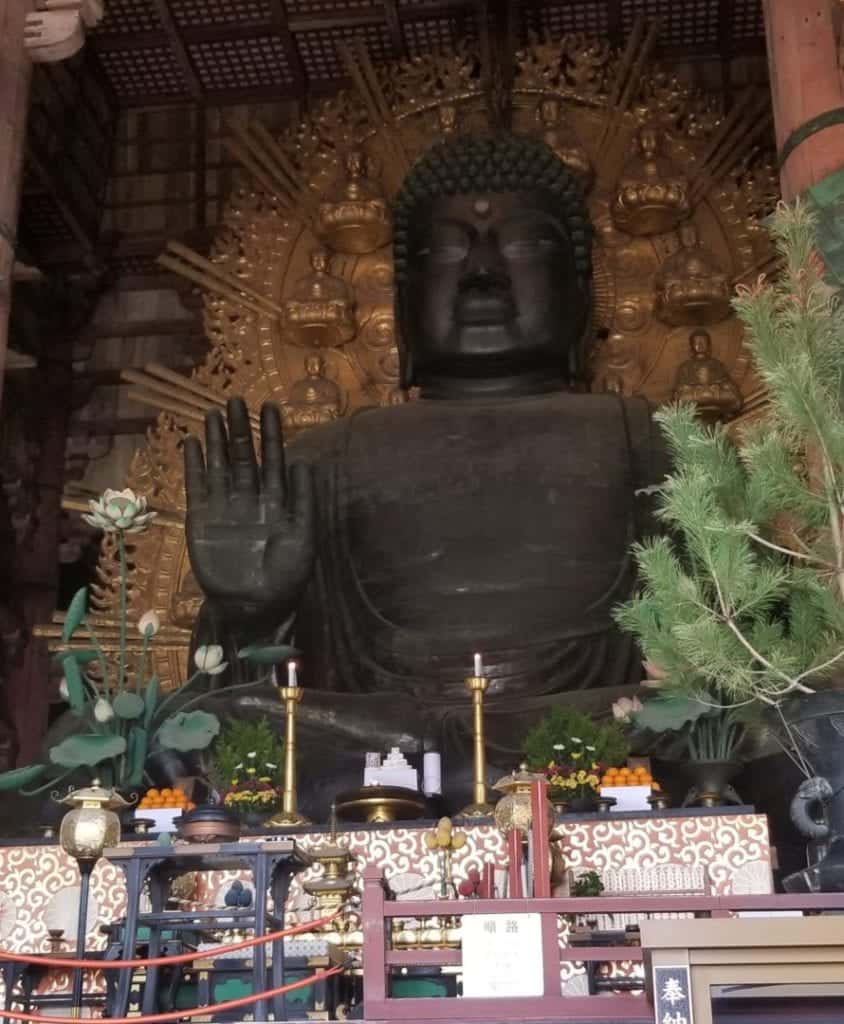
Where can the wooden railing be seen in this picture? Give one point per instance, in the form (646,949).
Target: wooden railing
(380,959)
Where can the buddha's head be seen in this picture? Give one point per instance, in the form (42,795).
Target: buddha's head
(493,269)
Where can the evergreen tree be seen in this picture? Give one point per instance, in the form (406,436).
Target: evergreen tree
(742,599)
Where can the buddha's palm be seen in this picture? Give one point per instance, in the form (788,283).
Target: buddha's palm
(250,535)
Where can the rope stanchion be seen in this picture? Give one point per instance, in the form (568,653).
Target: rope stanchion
(196,1011)
(163,961)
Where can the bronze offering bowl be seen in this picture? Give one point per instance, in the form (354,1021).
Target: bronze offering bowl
(208,825)
(382,804)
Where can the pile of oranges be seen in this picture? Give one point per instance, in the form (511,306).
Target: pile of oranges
(164,799)
(629,777)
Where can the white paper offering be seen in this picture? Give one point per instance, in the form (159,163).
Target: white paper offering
(502,955)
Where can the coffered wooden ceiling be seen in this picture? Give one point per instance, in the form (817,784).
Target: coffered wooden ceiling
(155,52)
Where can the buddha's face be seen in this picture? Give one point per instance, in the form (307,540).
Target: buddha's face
(491,289)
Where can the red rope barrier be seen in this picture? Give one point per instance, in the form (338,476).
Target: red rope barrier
(196,1011)
(180,958)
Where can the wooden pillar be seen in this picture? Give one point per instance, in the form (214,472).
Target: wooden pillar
(36,579)
(806,84)
(15,74)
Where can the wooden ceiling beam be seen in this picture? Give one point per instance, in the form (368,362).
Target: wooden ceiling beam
(294,58)
(391,14)
(177,44)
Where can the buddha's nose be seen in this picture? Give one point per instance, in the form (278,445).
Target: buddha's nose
(484,266)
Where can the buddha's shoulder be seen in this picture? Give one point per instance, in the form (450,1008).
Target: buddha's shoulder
(572,412)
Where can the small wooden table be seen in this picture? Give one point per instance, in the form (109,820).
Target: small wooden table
(271,865)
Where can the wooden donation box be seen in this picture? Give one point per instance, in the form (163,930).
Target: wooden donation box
(751,970)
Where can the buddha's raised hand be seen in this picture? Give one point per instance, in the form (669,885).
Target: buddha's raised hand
(250,529)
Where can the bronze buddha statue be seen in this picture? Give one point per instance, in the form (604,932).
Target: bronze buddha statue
(495,513)
(704,381)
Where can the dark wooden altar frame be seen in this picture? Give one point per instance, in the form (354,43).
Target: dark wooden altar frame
(379,959)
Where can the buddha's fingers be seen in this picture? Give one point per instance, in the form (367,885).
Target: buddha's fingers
(244,468)
(302,499)
(216,460)
(196,490)
(273,472)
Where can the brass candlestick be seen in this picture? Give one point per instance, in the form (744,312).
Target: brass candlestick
(479,808)
(289,815)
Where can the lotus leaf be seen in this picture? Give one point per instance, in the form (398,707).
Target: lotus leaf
(86,749)
(192,730)
(670,713)
(267,655)
(20,777)
(75,613)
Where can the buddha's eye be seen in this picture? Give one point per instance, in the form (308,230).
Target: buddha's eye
(445,243)
(529,245)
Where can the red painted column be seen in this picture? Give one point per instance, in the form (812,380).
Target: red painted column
(15,75)
(805,82)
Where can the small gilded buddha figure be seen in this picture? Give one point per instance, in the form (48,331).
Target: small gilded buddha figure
(313,399)
(322,309)
(691,288)
(561,139)
(447,119)
(653,194)
(704,380)
(355,217)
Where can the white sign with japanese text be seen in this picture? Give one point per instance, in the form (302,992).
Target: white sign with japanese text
(502,955)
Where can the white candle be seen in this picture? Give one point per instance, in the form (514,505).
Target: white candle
(432,777)
(479,666)
(291,674)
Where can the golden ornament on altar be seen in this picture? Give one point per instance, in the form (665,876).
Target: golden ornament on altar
(321,311)
(354,218)
(704,381)
(691,288)
(514,809)
(652,196)
(313,399)
(560,137)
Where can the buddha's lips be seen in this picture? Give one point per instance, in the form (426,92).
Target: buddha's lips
(482,307)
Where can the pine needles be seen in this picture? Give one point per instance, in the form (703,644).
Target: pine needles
(743,597)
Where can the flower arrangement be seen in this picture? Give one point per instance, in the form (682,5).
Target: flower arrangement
(251,794)
(119,709)
(242,743)
(574,774)
(564,732)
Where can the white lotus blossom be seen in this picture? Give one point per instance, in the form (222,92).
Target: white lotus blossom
(210,659)
(252,755)
(119,511)
(576,739)
(269,764)
(103,711)
(559,746)
(149,623)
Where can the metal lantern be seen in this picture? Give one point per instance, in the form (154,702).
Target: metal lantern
(513,810)
(92,825)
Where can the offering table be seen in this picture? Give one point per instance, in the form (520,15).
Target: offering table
(729,846)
